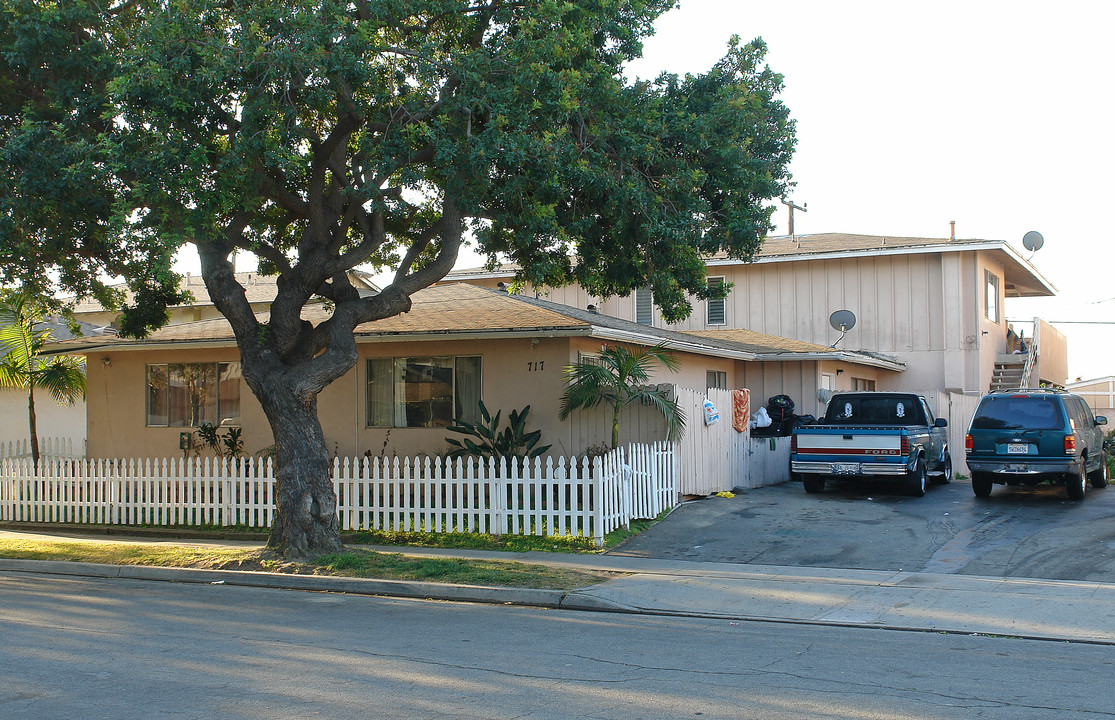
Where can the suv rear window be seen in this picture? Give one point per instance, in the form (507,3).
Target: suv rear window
(1013,412)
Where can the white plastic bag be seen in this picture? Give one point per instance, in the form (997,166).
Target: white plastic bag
(712,415)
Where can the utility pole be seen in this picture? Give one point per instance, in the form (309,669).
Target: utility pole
(791,206)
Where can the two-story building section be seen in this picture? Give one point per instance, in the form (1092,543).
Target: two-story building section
(934,304)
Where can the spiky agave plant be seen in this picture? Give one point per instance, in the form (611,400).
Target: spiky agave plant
(486,439)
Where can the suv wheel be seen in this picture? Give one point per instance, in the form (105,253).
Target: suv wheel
(813,483)
(1076,484)
(1099,476)
(981,484)
(945,477)
(915,481)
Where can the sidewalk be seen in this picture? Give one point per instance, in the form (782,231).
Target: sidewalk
(1029,608)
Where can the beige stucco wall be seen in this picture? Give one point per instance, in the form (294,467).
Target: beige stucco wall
(116,405)
(993,335)
(516,372)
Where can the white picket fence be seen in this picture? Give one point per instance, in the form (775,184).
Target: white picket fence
(587,497)
(48,446)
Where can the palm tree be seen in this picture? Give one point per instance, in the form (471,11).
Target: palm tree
(619,377)
(22,339)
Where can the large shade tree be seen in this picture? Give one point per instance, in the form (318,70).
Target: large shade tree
(322,135)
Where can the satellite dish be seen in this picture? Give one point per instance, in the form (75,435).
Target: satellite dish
(842,320)
(1033,241)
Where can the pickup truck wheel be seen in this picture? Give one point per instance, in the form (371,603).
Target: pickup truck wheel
(946,471)
(916,480)
(813,483)
(1076,484)
(981,484)
(1099,476)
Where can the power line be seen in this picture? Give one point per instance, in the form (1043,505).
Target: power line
(1069,322)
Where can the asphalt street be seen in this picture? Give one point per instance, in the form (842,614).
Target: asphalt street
(119,649)
(1031,532)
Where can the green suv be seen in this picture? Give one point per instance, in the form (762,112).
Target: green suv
(1023,437)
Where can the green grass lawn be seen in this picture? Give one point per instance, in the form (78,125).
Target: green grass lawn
(354,562)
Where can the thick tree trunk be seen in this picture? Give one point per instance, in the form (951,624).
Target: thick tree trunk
(306,524)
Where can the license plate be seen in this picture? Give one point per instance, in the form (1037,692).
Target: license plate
(846,468)
(1018,449)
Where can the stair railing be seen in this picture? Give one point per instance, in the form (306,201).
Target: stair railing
(1031,356)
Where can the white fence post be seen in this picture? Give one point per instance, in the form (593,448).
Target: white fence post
(598,499)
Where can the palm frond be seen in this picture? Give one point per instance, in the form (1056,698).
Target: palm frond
(63,380)
(618,377)
(12,376)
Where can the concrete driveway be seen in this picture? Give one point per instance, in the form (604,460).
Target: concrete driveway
(1017,532)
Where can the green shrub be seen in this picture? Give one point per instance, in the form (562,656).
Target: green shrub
(485,440)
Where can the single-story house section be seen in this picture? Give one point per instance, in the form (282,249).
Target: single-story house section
(417,371)
(53,421)
(1099,393)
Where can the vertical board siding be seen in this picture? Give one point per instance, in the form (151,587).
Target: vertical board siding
(578,497)
(709,458)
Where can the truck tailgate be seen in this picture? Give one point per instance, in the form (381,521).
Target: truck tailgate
(871,443)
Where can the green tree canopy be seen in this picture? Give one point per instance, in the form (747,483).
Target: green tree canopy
(64,207)
(321,135)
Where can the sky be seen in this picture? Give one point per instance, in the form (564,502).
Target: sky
(996,115)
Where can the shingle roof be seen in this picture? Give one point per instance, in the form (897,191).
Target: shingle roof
(782,246)
(762,343)
(466,310)
(1022,280)
(438,309)
(257,288)
(461,308)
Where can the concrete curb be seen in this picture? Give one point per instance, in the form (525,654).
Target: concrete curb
(583,600)
(569,600)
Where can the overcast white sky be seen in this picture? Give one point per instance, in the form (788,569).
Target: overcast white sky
(995,114)
(998,115)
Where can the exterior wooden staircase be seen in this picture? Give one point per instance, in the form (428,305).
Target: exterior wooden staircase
(1013,371)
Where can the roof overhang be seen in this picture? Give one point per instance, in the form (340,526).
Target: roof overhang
(1022,279)
(594,331)
(778,356)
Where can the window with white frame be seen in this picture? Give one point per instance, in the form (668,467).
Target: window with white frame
(189,394)
(991,297)
(422,391)
(716,379)
(715,309)
(863,384)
